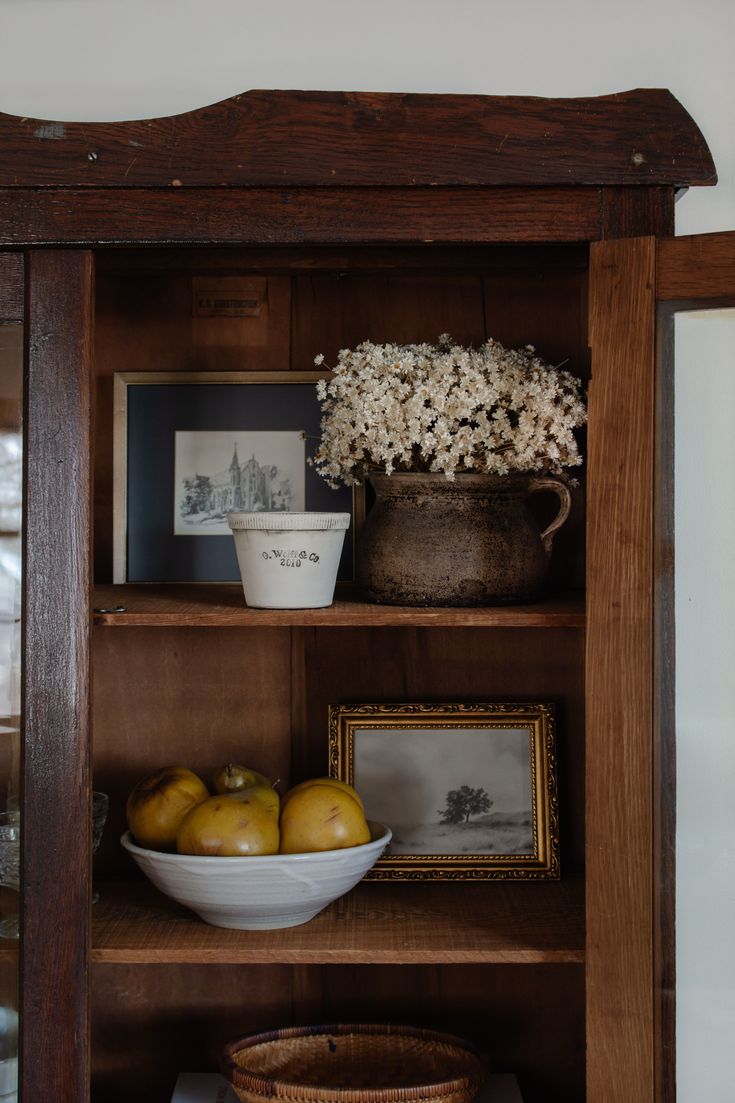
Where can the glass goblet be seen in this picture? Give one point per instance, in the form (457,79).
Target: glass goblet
(100,808)
(10,866)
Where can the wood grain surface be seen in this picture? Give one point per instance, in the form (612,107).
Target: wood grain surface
(12,287)
(222,604)
(199,699)
(436,208)
(396,924)
(619,684)
(696,269)
(527,1018)
(54,1040)
(513,293)
(385,665)
(346,138)
(401,260)
(635,212)
(281,216)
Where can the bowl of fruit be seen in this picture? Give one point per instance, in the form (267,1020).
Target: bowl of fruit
(245,858)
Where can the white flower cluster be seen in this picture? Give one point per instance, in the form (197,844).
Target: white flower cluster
(445,408)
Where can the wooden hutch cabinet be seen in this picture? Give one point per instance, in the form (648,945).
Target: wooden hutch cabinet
(386,217)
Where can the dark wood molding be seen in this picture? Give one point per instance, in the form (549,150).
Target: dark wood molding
(54,1015)
(12,276)
(637,212)
(284,138)
(285,216)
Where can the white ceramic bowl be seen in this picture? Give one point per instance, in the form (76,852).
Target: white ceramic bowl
(264,892)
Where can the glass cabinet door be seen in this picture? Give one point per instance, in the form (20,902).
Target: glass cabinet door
(11,450)
(661,963)
(705,704)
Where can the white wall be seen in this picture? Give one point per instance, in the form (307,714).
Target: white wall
(116,59)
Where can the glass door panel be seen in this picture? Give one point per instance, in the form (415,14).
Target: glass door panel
(705,704)
(11,448)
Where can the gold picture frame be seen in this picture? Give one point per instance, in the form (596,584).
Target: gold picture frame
(503,755)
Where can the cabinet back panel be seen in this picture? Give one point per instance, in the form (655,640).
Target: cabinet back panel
(145,322)
(186,696)
(530,1020)
(201,698)
(346,665)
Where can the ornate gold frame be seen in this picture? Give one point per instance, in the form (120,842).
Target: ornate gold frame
(346,720)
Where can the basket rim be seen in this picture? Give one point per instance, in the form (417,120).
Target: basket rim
(271,1086)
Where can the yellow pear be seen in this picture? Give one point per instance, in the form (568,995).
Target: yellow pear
(322,817)
(233,777)
(158,804)
(324,781)
(264,793)
(231,826)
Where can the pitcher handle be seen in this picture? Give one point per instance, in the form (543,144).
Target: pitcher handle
(565,499)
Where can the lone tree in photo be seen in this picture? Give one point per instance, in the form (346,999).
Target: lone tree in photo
(463,803)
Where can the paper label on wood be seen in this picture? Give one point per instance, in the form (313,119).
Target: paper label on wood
(228,298)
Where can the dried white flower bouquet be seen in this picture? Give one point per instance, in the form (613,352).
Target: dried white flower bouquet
(445,408)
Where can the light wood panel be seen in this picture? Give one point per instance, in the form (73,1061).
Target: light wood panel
(546,306)
(152,1022)
(529,1020)
(619,689)
(144,323)
(180,696)
(349,666)
(222,605)
(520,924)
(699,267)
(331,312)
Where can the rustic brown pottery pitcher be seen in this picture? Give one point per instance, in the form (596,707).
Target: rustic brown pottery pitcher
(429,540)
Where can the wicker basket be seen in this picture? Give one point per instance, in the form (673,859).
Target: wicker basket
(354,1064)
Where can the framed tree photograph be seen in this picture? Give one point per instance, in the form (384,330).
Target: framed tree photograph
(468,790)
(190,447)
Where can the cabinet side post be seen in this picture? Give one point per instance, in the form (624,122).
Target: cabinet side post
(55,870)
(619,675)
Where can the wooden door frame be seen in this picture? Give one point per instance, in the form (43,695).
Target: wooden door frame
(619,676)
(636,288)
(55,694)
(696,272)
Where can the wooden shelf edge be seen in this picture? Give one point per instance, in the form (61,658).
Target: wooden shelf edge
(501,923)
(243,956)
(222,605)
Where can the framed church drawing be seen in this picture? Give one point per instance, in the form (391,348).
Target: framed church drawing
(190,447)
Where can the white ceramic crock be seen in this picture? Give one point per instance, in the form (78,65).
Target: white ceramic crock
(288,560)
(264,892)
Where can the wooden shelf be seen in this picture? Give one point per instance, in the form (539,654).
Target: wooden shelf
(222,605)
(391,924)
